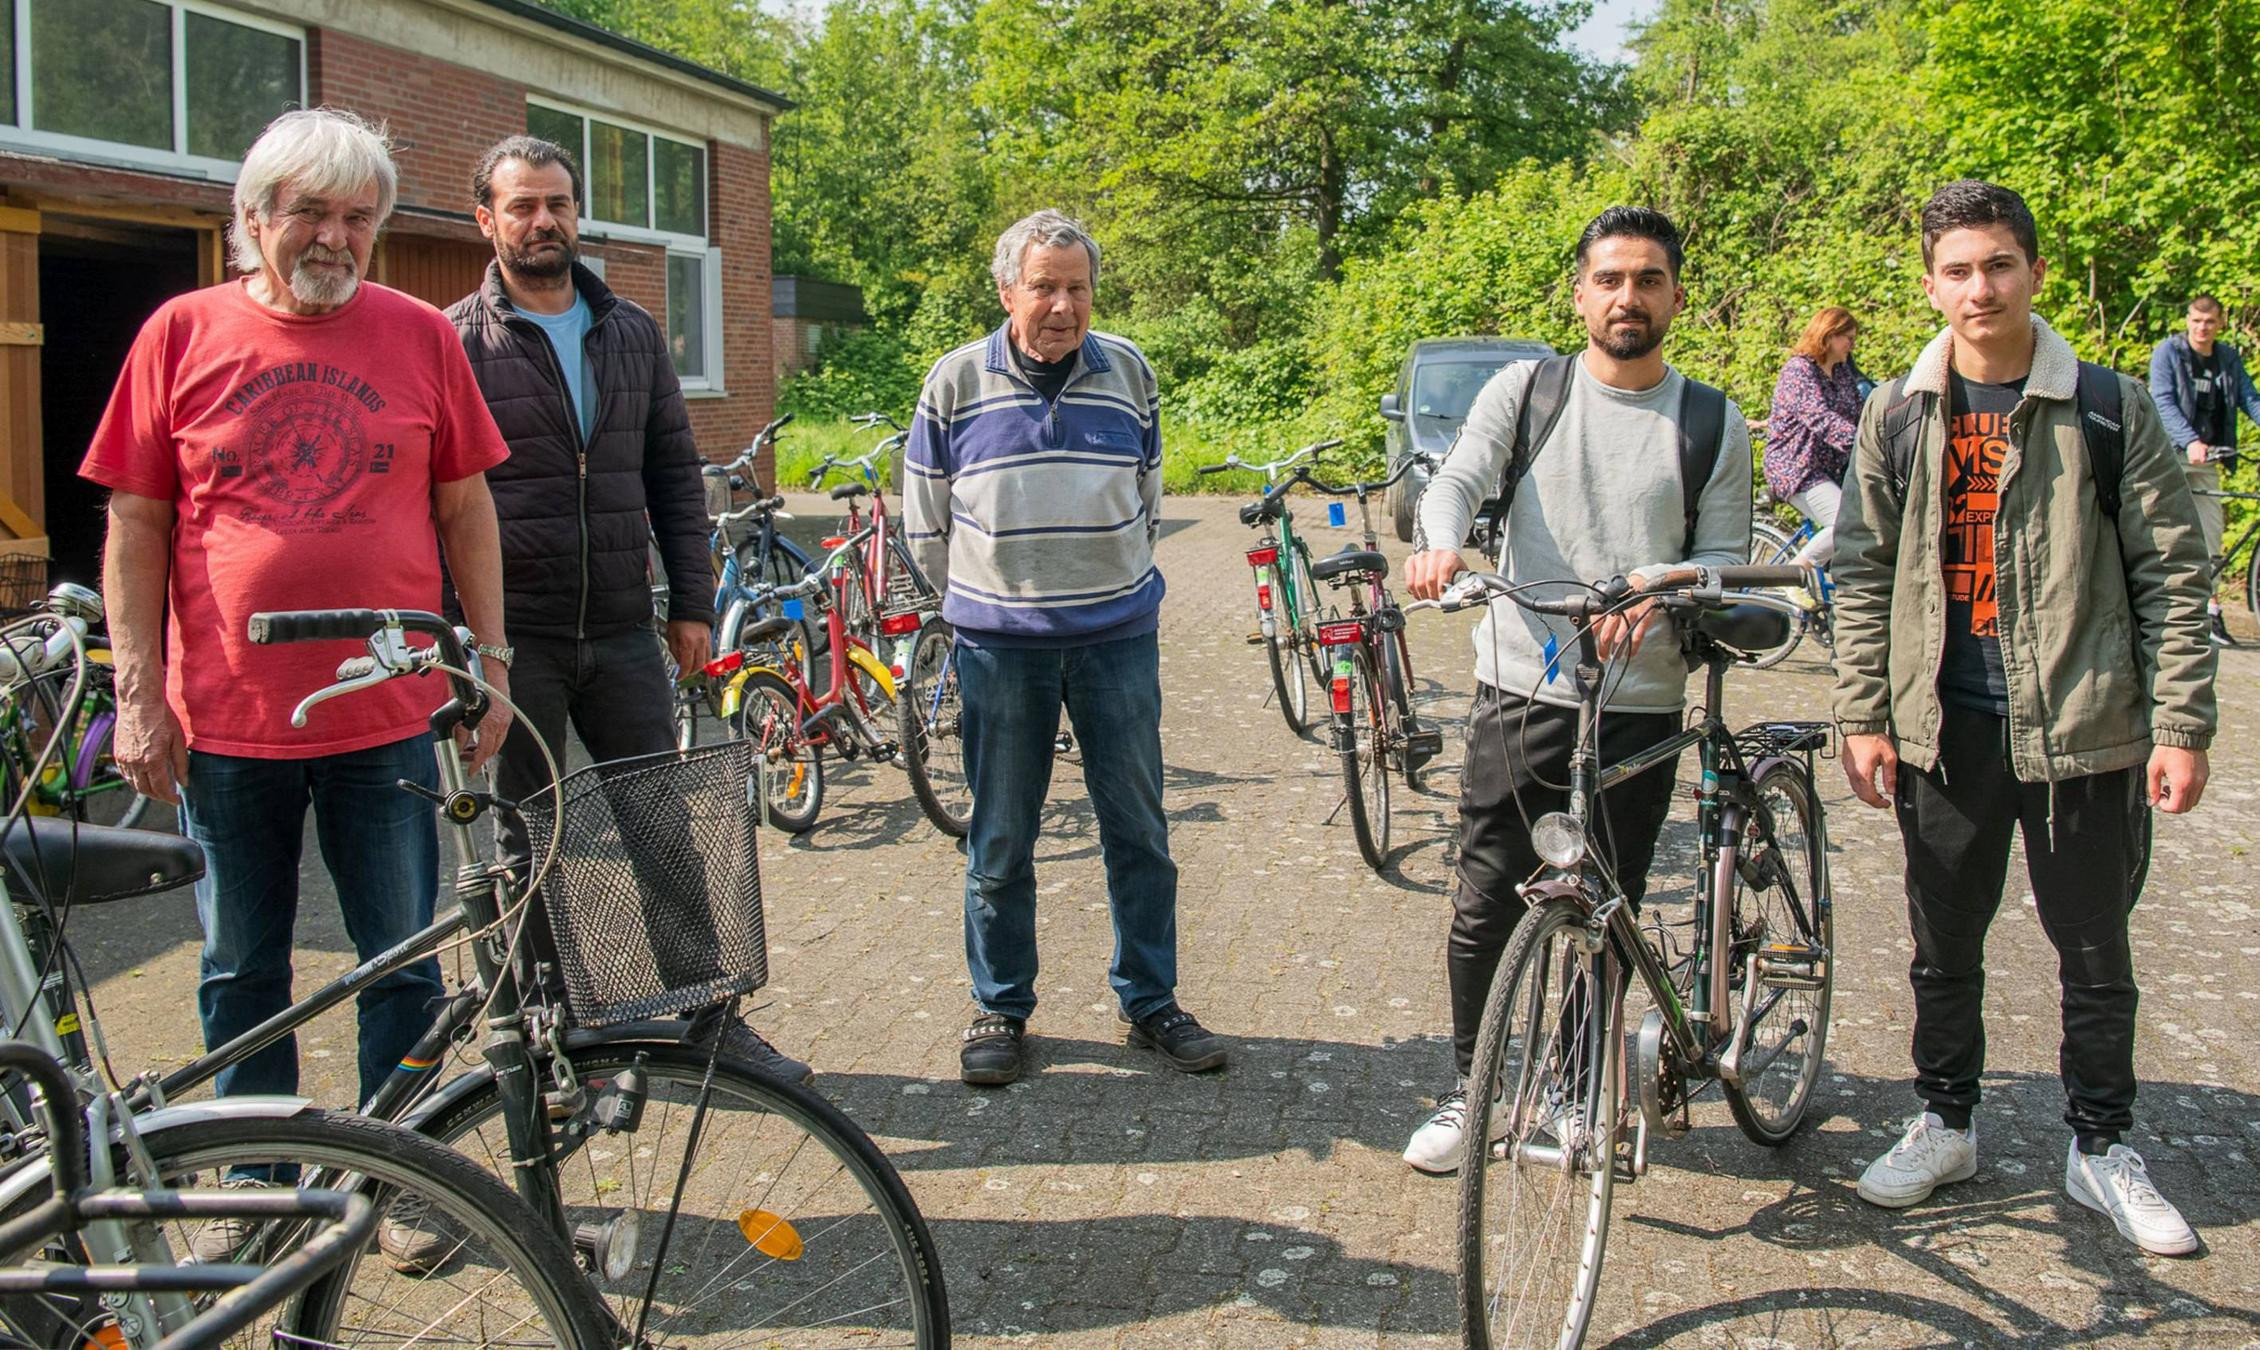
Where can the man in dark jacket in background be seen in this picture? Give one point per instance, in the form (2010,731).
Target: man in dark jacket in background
(602,460)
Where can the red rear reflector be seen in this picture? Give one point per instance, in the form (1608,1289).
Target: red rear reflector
(725,664)
(1263,557)
(834,542)
(899,625)
(1341,693)
(1263,595)
(1346,633)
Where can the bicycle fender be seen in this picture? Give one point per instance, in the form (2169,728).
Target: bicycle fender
(32,1172)
(671,1030)
(733,693)
(873,667)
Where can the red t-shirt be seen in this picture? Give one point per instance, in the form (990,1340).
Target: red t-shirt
(299,454)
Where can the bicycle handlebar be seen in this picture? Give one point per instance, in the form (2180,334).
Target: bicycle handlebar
(762,437)
(1705,585)
(389,653)
(872,419)
(1311,451)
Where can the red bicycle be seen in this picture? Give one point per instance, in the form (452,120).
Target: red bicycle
(767,697)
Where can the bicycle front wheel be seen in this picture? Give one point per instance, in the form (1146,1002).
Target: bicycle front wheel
(1770,547)
(793,1229)
(1361,738)
(2252,583)
(100,794)
(1396,678)
(791,769)
(932,715)
(1536,1182)
(1784,938)
(493,1274)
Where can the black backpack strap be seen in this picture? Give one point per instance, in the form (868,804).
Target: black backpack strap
(1541,408)
(1702,436)
(1902,429)
(2103,425)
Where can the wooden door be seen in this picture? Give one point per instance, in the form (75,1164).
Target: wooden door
(22,476)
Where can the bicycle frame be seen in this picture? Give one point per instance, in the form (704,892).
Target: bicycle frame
(849,654)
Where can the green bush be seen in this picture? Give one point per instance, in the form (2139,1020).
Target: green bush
(859,372)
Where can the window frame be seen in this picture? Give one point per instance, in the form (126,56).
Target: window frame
(21,133)
(599,228)
(709,383)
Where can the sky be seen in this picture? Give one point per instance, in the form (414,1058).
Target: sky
(1603,34)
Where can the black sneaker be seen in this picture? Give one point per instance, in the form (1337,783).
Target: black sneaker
(1185,1043)
(991,1055)
(2221,637)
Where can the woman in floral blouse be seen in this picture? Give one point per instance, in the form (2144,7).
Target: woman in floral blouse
(1816,415)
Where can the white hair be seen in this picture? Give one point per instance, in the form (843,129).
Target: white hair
(328,152)
(1048,228)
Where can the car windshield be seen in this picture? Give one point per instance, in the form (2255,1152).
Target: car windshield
(1447,389)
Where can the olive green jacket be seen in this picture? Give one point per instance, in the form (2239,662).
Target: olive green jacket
(2104,635)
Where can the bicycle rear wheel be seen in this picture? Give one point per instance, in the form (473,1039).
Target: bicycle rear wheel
(1786,924)
(1288,677)
(501,1277)
(1532,1225)
(793,1227)
(100,794)
(2252,583)
(1362,740)
(1770,547)
(1396,678)
(793,770)
(932,715)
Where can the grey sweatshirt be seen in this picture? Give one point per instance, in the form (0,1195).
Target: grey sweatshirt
(1602,499)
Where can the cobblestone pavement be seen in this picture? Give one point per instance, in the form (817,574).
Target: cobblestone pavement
(1108,1201)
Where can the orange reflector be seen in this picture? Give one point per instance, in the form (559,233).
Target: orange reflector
(771,1234)
(899,625)
(727,663)
(107,1338)
(1263,596)
(834,542)
(1341,693)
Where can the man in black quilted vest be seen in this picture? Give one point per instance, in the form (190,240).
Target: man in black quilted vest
(602,462)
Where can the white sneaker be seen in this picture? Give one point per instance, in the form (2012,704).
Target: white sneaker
(1926,1157)
(1439,1143)
(2116,1183)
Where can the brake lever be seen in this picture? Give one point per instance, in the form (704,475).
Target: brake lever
(389,655)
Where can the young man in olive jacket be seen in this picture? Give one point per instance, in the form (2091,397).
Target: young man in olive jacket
(2009,657)
(602,461)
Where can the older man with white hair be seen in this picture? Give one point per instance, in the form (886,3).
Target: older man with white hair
(1033,499)
(299,439)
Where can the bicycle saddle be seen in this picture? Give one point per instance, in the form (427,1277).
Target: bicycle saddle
(766,629)
(847,490)
(97,863)
(1743,628)
(1255,511)
(1347,561)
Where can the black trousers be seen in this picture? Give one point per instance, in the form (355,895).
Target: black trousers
(1518,769)
(2087,849)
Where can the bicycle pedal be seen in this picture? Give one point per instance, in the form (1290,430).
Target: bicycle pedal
(1424,745)
(1792,965)
(1255,639)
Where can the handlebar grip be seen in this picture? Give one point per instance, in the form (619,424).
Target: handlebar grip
(780,422)
(313,625)
(1760,577)
(769,503)
(1212,468)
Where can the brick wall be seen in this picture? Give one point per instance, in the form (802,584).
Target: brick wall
(442,116)
(738,212)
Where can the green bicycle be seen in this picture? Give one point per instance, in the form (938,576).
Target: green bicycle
(82,781)
(1286,595)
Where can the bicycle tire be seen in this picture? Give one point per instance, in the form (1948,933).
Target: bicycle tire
(1396,674)
(1362,741)
(1287,679)
(1305,637)
(2252,583)
(1539,1197)
(96,783)
(539,1295)
(769,714)
(1770,546)
(932,727)
(1797,911)
(764,1127)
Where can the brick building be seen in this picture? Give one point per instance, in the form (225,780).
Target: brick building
(810,316)
(122,123)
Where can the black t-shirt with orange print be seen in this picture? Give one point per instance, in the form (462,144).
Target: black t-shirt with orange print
(1971,675)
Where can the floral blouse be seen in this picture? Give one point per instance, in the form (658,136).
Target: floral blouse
(1815,419)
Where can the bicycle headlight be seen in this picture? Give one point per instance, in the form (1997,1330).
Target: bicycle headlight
(1559,839)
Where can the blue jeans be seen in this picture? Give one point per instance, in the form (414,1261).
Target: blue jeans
(1012,698)
(382,849)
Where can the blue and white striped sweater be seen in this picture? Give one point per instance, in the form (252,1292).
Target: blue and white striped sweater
(1038,520)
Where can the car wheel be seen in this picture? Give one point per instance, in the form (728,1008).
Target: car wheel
(1404,502)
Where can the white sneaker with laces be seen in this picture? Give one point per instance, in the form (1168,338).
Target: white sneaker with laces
(1927,1156)
(2117,1184)
(1439,1143)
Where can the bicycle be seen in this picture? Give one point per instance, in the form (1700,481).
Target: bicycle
(708,1203)
(84,782)
(1772,546)
(1745,1006)
(2227,562)
(891,584)
(502,1277)
(1286,594)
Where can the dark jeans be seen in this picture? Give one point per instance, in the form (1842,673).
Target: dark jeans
(1012,698)
(2087,848)
(1517,771)
(614,693)
(381,846)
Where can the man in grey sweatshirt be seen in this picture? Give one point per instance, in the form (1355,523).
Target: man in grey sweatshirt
(1602,497)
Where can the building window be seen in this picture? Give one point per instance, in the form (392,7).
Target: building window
(174,82)
(694,317)
(647,184)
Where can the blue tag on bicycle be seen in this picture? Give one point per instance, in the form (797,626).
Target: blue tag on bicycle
(793,609)
(1337,514)
(1552,652)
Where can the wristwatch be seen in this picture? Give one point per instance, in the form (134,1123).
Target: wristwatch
(493,653)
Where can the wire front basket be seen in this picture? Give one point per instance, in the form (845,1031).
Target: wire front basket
(23,583)
(656,897)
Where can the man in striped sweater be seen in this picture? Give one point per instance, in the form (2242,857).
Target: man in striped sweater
(1032,500)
